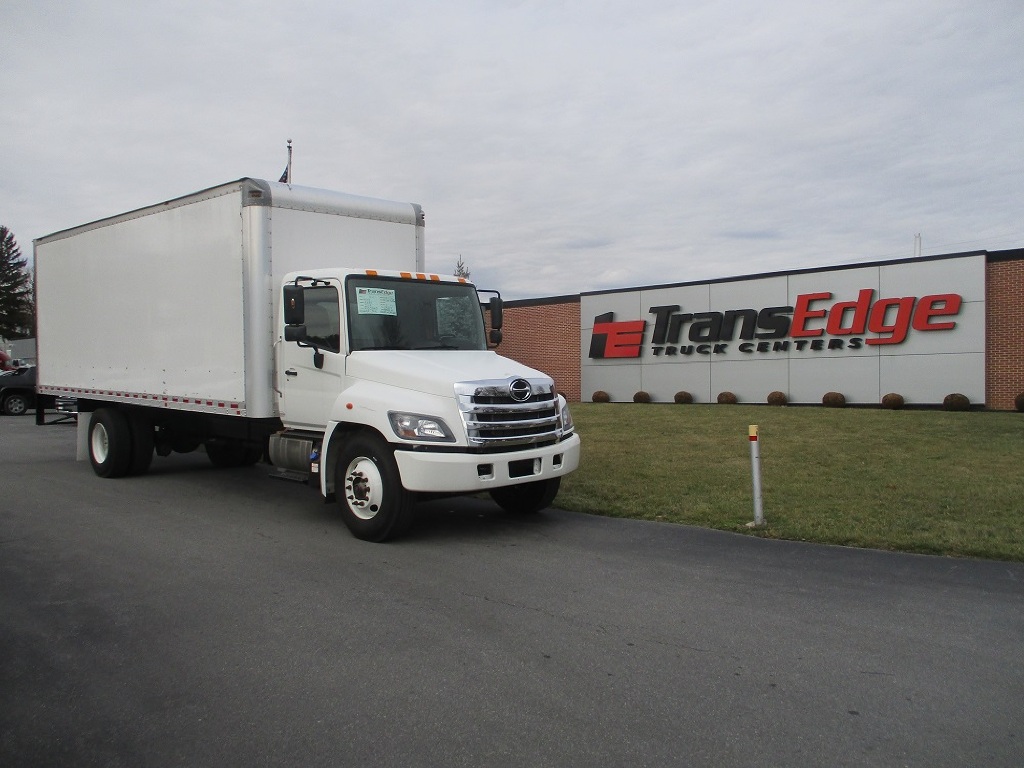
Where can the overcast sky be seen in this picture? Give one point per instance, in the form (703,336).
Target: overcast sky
(557,147)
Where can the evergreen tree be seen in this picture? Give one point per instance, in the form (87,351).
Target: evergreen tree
(454,314)
(17,314)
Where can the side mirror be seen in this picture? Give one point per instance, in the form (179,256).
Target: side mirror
(295,333)
(294,307)
(495,309)
(495,336)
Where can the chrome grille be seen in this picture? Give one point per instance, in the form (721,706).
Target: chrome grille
(495,420)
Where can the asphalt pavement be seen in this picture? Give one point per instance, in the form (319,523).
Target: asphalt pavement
(205,617)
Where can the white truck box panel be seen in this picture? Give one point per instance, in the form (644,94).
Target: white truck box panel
(311,240)
(150,305)
(173,304)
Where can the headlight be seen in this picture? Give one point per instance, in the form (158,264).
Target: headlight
(567,425)
(413,426)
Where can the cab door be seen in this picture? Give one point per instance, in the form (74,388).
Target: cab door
(310,371)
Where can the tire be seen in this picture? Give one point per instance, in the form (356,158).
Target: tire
(143,443)
(528,498)
(225,454)
(233,453)
(110,443)
(252,453)
(185,443)
(16,404)
(373,503)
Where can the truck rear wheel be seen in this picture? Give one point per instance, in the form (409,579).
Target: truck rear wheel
(233,453)
(224,454)
(110,443)
(369,489)
(527,498)
(142,445)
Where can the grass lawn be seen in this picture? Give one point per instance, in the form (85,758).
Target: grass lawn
(926,481)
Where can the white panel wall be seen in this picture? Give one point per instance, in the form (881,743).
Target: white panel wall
(923,379)
(856,377)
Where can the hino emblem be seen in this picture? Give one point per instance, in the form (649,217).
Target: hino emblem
(520,390)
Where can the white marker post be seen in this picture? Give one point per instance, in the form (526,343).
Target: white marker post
(755,464)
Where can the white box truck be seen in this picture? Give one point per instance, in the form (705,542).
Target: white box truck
(263,320)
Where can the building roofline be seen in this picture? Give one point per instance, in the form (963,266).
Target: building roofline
(1013,254)
(802,271)
(539,302)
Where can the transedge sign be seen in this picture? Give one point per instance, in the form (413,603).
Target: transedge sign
(777,329)
(915,327)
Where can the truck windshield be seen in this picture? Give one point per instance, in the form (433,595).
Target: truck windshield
(394,313)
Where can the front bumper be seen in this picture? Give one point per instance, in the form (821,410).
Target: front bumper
(475,473)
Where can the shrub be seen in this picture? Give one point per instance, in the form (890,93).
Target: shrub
(641,397)
(727,398)
(684,398)
(1019,402)
(777,398)
(833,400)
(601,397)
(956,402)
(893,401)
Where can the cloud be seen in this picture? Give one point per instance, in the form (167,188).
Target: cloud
(555,148)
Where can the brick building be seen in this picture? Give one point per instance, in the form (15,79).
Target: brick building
(548,333)
(1004,328)
(545,334)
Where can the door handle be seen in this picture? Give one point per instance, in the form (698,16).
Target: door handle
(291,372)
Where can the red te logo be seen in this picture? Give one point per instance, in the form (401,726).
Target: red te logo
(611,339)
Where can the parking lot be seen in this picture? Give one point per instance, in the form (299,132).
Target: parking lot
(206,617)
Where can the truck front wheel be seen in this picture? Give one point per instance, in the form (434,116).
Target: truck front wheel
(527,498)
(369,489)
(110,443)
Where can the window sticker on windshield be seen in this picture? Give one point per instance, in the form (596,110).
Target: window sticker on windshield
(375,301)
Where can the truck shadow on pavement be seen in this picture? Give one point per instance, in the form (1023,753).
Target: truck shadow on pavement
(472,517)
(445,519)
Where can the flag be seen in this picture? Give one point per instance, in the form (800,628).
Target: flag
(286,177)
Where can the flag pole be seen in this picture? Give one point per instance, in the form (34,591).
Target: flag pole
(286,177)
